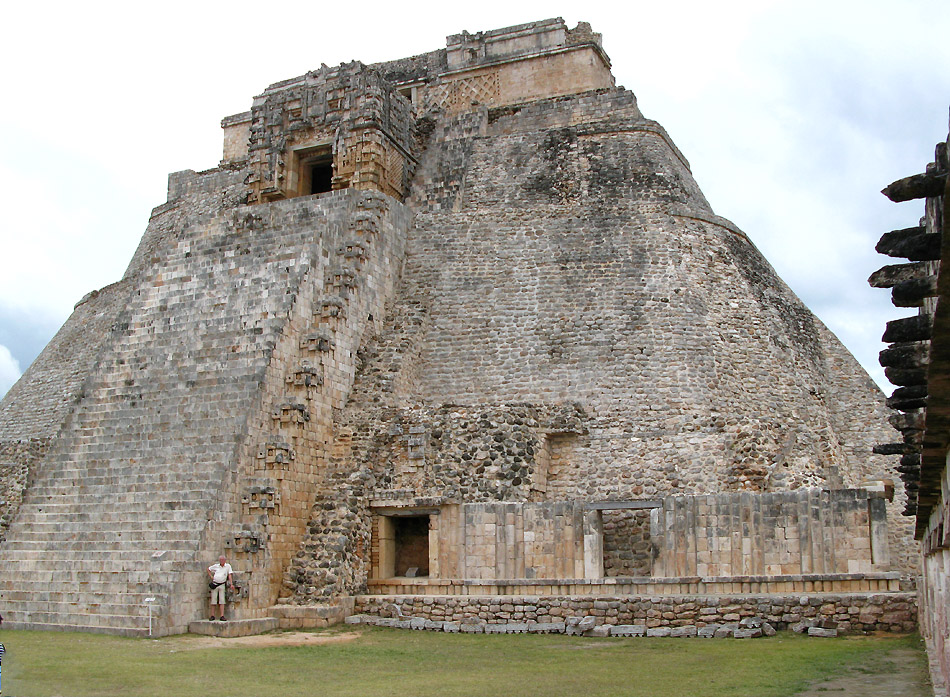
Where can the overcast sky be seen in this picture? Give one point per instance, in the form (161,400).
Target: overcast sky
(793,115)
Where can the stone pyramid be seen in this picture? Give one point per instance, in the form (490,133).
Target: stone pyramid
(478,275)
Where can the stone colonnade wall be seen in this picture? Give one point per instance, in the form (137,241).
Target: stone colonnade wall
(885,612)
(935,582)
(809,531)
(512,540)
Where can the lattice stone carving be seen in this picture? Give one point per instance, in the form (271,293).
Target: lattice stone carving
(395,169)
(463,92)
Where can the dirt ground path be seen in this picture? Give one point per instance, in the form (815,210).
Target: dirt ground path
(277,639)
(900,674)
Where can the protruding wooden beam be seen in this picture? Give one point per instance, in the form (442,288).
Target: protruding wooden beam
(914,354)
(906,403)
(916,328)
(889,276)
(911,421)
(906,376)
(912,293)
(895,449)
(916,186)
(910,243)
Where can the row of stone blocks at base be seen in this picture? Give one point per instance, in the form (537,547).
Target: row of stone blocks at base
(748,628)
(681,585)
(853,612)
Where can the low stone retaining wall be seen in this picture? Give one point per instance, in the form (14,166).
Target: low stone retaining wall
(855,613)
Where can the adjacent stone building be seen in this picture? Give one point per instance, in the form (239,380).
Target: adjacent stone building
(918,363)
(460,324)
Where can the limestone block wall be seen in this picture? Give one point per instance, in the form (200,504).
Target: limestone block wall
(808,531)
(935,584)
(563,260)
(511,540)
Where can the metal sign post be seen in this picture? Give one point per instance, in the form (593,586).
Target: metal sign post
(148,601)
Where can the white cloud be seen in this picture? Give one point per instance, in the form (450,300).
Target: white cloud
(793,115)
(9,370)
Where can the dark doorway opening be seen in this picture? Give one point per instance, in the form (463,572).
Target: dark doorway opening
(321,176)
(314,169)
(411,535)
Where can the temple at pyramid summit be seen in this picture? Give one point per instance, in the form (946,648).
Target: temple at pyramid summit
(456,342)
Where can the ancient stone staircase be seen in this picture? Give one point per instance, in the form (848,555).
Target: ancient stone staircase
(119,510)
(213,371)
(87,558)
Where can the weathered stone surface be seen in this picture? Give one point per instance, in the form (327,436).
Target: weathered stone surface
(628,630)
(659,631)
(822,632)
(685,631)
(578,625)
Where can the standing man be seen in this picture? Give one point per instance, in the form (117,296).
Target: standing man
(220,574)
(2,650)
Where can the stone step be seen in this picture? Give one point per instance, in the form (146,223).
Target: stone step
(40,552)
(234,628)
(71,495)
(62,627)
(100,597)
(113,581)
(65,574)
(93,541)
(36,514)
(51,567)
(130,478)
(65,616)
(42,525)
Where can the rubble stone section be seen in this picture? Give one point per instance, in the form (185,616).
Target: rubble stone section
(853,613)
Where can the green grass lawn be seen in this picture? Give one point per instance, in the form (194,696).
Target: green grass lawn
(400,662)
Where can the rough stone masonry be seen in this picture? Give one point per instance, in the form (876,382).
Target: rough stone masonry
(457,324)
